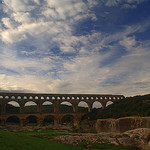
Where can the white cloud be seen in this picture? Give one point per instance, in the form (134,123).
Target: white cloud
(110,3)
(8,23)
(128,6)
(123,3)
(128,42)
(23,17)
(42,26)
(18,5)
(12,36)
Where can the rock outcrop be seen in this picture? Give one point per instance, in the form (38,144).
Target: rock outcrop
(121,124)
(138,138)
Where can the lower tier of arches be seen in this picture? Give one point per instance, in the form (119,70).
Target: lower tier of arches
(42,119)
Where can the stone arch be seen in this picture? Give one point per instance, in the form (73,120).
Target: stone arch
(47,107)
(12,107)
(29,100)
(13,120)
(31,120)
(36,97)
(25,97)
(67,120)
(30,97)
(109,103)
(83,107)
(13,97)
(66,107)
(42,97)
(1,97)
(110,98)
(97,105)
(30,107)
(47,97)
(48,120)
(118,97)
(6,97)
(18,97)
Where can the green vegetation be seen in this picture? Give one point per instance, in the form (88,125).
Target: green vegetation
(130,106)
(35,140)
(20,141)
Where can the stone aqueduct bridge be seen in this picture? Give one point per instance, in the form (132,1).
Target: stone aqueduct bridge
(56,100)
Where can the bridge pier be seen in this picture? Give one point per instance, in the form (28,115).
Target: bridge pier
(39,108)
(3,122)
(3,108)
(39,122)
(56,121)
(22,122)
(76,122)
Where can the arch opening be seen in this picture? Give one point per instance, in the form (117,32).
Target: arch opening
(97,105)
(47,107)
(30,107)
(83,107)
(48,120)
(13,120)
(31,120)
(109,103)
(67,120)
(66,107)
(12,107)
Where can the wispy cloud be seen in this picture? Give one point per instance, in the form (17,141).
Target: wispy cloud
(42,49)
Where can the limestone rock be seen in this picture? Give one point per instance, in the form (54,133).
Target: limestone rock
(138,138)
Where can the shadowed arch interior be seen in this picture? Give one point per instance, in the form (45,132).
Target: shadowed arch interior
(12,107)
(67,120)
(82,107)
(65,107)
(48,120)
(47,107)
(12,120)
(31,120)
(30,107)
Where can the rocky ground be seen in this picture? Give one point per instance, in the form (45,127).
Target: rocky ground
(138,138)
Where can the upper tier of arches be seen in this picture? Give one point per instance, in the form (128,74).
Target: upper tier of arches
(22,100)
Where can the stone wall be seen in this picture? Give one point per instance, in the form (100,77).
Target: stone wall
(121,124)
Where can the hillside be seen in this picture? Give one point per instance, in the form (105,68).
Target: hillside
(130,106)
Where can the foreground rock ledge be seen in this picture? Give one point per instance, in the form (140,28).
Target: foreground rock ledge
(138,138)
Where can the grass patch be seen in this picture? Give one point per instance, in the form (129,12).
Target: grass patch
(47,134)
(39,131)
(19,141)
(40,140)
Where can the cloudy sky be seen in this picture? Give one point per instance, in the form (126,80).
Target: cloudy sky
(75,46)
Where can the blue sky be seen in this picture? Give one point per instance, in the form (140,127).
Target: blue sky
(75,46)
